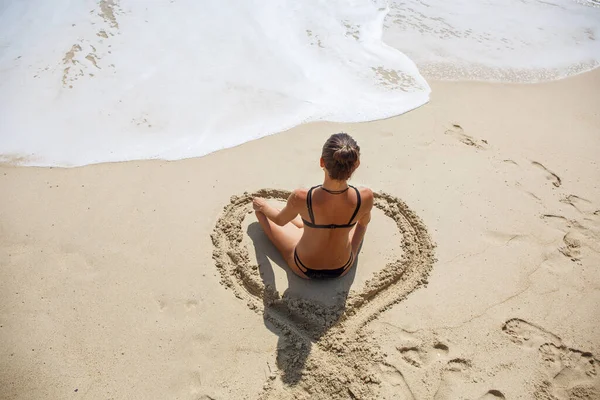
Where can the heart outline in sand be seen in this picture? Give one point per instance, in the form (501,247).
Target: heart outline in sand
(310,321)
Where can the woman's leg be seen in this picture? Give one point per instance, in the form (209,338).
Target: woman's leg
(285,238)
(298,222)
(355,242)
(356,236)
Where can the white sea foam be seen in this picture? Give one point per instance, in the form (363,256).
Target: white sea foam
(111,80)
(506,40)
(85,82)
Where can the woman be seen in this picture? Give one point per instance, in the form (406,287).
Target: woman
(319,230)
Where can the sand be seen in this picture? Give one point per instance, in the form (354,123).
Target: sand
(478,278)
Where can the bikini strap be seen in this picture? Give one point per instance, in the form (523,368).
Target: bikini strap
(358,201)
(298,262)
(309,204)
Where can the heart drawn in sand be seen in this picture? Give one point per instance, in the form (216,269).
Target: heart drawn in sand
(332,335)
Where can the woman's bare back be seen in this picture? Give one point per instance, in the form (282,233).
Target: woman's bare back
(329,245)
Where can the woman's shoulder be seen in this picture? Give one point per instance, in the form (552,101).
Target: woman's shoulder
(299,195)
(365,192)
(366,196)
(300,192)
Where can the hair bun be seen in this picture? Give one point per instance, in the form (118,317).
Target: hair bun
(345,155)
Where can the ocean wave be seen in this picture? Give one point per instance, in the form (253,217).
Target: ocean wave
(113,80)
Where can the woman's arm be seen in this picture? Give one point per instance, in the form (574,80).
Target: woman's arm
(279,217)
(361,225)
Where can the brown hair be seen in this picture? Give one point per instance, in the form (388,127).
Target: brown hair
(341,154)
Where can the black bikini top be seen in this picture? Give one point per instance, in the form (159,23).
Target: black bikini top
(312,224)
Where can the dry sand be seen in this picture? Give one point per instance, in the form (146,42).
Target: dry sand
(478,279)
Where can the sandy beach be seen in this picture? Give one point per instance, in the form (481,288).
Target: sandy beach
(478,277)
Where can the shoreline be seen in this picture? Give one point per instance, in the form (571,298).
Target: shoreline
(439,83)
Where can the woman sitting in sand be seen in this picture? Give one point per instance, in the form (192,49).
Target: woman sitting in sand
(319,231)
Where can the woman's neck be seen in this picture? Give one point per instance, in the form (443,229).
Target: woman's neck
(333,184)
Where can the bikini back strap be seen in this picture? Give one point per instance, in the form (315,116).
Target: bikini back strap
(358,201)
(309,204)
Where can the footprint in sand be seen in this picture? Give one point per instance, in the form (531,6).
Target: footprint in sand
(581,233)
(572,246)
(551,176)
(584,206)
(493,395)
(568,373)
(393,385)
(454,377)
(407,350)
(422,356)
(529,179)
(412,355)
(457,132)
(529,335)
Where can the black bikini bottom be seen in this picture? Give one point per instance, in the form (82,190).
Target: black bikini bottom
(322,273)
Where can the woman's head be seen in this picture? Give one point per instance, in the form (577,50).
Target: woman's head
(340,156)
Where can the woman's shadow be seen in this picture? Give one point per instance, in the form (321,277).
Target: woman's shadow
(313,306)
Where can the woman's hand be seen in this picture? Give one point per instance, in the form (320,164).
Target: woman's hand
(258,204)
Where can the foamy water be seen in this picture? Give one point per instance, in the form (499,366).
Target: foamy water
(499,40)
(86,82)
(96,81)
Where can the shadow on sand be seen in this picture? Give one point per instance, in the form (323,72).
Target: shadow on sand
(314,306)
